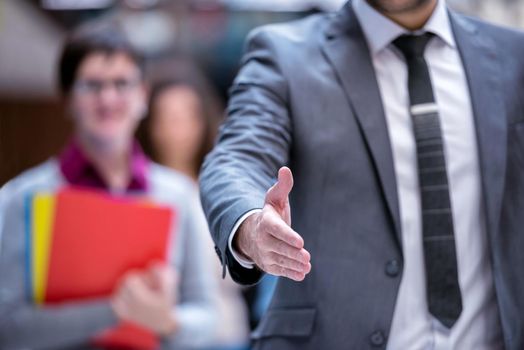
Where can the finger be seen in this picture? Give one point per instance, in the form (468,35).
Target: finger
(281,231)
(136,287)
(133,280)
(283,272)
(289,264)
(164,277)
(129,276)
(154,267)
(156,272)
(127,290)
(150,280)
(278,194)
(277,246)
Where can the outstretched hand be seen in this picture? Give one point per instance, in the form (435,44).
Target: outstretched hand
(268,239)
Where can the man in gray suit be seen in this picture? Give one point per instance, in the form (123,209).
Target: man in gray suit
(403,125)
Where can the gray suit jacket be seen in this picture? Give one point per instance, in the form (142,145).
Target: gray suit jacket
(307,96)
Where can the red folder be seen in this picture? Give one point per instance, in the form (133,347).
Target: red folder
(96,240)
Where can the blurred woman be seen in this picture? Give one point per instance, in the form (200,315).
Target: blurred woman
(184,114)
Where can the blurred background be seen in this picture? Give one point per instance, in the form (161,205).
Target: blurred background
(210,33)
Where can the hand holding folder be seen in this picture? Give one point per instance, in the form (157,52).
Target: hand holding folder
(146,297)
(80,243)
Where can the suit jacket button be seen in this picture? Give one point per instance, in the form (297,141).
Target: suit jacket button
(377,338)
(393,268)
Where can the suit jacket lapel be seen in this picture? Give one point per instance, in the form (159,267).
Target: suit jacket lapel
(348,52)
(480,62)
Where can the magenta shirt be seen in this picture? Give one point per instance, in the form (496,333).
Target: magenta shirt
(79,171)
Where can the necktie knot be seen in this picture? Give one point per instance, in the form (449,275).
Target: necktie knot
(413,46)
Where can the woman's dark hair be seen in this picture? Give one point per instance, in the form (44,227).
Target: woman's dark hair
(181,72)
(94,37)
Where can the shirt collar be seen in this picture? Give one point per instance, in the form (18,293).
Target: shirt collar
(380,31)
(79,171)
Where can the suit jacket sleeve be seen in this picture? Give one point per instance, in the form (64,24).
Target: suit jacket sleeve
(253,143)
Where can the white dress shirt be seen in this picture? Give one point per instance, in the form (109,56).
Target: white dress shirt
(413,327)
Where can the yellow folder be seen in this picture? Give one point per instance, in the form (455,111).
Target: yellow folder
(43,210)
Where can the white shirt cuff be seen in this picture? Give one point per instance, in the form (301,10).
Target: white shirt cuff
(245,263)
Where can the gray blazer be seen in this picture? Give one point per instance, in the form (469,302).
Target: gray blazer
(307,96)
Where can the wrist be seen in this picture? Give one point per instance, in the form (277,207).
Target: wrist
(241,241)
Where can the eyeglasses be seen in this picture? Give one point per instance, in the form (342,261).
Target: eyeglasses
(96,86)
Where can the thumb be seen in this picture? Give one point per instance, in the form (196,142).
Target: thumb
(278,194)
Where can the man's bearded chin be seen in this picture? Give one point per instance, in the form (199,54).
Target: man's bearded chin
(397,6)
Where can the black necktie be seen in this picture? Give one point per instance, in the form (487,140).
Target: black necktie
(443,290)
